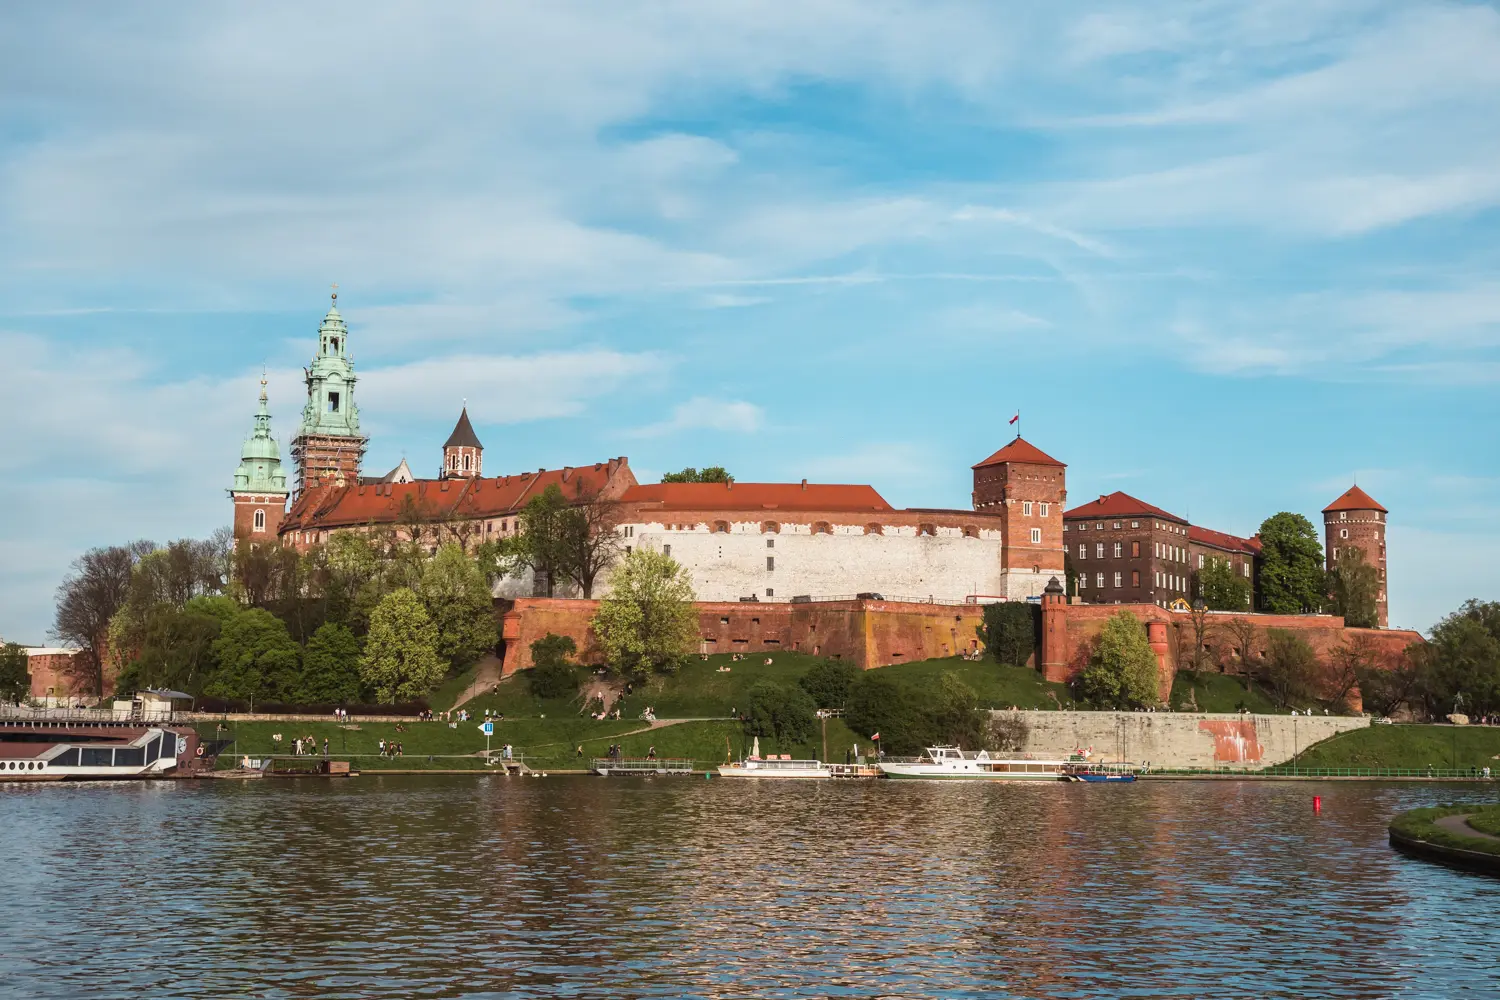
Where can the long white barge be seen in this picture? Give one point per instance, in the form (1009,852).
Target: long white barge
(952,764)
(61,751)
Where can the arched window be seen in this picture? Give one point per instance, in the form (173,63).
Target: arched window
(721,527)
(970,531)
(927,529)
(822,528)
(467,460)
(770,528)
(260,520)
(874,528)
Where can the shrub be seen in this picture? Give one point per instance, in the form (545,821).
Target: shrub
(553,673)
(829,682)
(1010,629)
(782,711)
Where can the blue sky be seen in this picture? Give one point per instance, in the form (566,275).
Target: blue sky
(1227,257)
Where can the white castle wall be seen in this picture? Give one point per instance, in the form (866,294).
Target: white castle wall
(726,566)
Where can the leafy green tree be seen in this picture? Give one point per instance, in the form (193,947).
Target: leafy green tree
(953,715)
(647,623)
(1291,574)
(1122,672)
(881,704)
(1355,587)
(541,544)
(1459,667)
(712,474)
(400,661)
(174,647)
(1010,631)
(257,658)
(15,673)
(460,605)
(782,711)
(1221,588)
(96,587)
(330,666)
(829,682)
(1290,669)
(553,672)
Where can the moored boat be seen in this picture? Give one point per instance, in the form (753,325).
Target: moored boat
(952,763)
(1097,773)
(775,767)
(48,750)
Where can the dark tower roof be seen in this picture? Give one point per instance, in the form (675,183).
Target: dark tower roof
(463,435)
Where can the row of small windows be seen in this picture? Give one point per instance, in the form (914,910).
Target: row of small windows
(1027,506)
(1099,526)
(24,765)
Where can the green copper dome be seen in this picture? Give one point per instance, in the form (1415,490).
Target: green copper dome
(330,380)
(260,459)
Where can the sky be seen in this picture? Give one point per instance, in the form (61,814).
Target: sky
(1230,258)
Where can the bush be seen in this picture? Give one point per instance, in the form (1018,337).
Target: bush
(829,682)
(1010,631)
(1007,733)
(553,673)
(782,711)
(909,719)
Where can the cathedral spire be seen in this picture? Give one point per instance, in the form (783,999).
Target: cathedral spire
(329,444)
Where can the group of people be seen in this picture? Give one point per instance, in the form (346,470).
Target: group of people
(302,746)
(973,655)
(604,714)
(616,752)
(389,748)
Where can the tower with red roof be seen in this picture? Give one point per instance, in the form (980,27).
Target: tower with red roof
(1029,488)
(1356,521)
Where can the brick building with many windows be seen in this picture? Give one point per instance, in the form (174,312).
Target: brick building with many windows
(1126,551)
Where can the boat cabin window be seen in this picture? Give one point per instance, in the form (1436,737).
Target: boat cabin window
(97,757)
(68,758)
(130,756)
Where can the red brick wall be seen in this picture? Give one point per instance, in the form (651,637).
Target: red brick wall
(866,633)
(1005,489)
(54,671)
(1365,530)
(245,506)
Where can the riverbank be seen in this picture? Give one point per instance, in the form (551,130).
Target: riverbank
(1462,835)
(1410,747)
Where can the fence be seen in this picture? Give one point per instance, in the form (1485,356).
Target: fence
(1292,771)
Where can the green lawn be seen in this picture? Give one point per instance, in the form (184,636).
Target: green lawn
(1215,692)
(701,690)
(1411,747)
(448,691)
(1419,823)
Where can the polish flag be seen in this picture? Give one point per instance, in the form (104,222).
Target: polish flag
(1016,417)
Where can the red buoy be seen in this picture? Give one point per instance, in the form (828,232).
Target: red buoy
(1317,803)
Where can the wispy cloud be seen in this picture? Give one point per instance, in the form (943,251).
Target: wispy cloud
(704,413)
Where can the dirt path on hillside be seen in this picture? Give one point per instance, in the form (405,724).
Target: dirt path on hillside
(486,676)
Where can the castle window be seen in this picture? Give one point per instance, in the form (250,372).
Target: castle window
(770,564)
(770,543)
(1036,536)
(1117,525)
(1044,509)
(334,343)
(769,527)
(926,529)
(1343,532)
(1083,550)
(1246,569)
(770,592)
(1099,526)
(1343,515)
(1083,581)
(1118,550)
(1098,550)
(1135,524)
(1135,549)
(666,550)
(260,520)
(1099,581)
(1117,579)
(333,402)
(1026,508)
(721,527)
(1135,578)
(468,459)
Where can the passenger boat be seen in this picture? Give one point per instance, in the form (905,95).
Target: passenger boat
(37,750)
(951,763)
(775,767)
(1096,773)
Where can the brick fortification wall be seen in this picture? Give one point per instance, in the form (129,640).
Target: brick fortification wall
(866,633)
(1178,739)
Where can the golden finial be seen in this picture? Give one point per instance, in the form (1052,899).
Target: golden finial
(335,293)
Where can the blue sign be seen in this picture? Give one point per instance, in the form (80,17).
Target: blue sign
(488,729)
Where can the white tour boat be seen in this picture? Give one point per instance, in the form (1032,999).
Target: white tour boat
(951,763)
(783,766)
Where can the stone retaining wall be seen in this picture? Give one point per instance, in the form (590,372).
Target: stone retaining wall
(1181,739)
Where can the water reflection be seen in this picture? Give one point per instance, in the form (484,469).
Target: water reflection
(493,887)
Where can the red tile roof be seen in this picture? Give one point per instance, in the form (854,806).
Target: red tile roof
(1222,540)
(329,506)
(1355,499)
(1119,504)
(757,496)
(1021,450)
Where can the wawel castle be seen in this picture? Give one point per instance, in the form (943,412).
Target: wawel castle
(774,542)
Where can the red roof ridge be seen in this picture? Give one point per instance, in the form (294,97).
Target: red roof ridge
(1022,451)
(1120,504)
(1355,498)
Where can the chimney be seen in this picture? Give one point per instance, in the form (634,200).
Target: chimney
(567,471)
(729,484)
(804,484)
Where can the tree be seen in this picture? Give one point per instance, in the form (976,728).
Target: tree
(953,715)
(1459,667)
(171,647)
(712,474)
(881,704)
(15,673)
(400,661)
(1010,631)
(1243,637)
(96,586)
(257,659)
(589,542)
(1197,657)
(1349,664)
(829,682)
(1291,667)
(459,603)
(330,666)
(1122,672)
(647,623)
(553,672)
(1384,692)
(781,711)
(541,543)
(1355,589)
(1291,575)
(1221,588)
(1007,733)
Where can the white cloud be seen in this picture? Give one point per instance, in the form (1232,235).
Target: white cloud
(706,413)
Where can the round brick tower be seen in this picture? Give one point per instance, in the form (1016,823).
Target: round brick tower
(1356,521)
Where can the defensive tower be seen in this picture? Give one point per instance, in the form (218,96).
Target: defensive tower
(462,452)
(1356,521)
(1029,487)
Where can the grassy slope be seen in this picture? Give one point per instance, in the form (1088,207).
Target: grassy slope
(1418,823)
(1411,747)
(1215,692)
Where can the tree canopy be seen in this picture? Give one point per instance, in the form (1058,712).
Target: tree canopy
(647,623)
(712,474)
(1291,574)
(553,672)
(910,718)
(1221,588)
(15,673)
(257,659)
(782,711)
(1354,586)
(458,602)
(1009,631)
(330,667)
(400,661)
(829,682)
(1122,672)
(1290,668)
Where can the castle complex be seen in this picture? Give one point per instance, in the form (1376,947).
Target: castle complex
(765,542)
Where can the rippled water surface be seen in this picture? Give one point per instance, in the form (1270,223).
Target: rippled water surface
(449,886)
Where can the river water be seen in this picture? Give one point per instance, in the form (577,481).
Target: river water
(485,886)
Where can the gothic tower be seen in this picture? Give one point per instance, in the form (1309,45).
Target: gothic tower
(1356,521)
(1028,488)
(259,490)
(328,445)
(462,452)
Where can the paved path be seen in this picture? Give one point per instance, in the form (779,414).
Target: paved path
(1460,825)
(486,676)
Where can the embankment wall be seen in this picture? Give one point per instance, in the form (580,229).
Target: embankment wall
(1180,739)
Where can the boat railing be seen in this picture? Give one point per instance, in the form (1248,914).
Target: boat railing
(25,713)
(644,763)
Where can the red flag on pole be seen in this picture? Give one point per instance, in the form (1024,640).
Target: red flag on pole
(1016,417)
